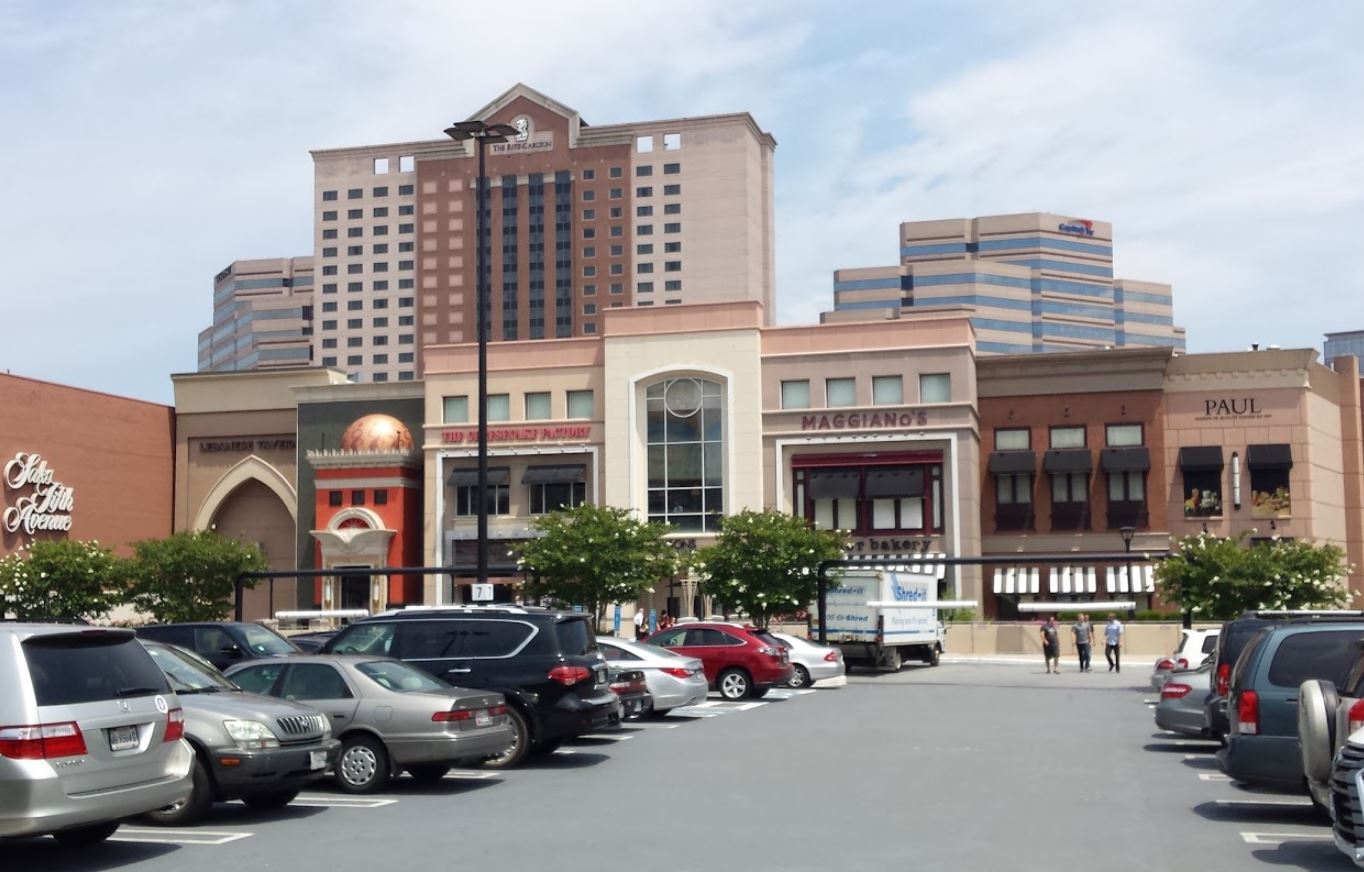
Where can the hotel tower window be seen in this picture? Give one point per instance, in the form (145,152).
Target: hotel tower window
(686,445)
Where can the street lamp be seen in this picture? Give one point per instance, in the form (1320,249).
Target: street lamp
(1127,533)
(481,133)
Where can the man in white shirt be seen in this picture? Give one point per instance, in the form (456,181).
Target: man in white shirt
(639,623)
(1113,643)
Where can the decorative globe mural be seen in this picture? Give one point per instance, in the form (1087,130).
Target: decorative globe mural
(376,433)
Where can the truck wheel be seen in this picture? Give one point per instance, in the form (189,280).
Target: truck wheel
(890,660)
(934,656)
(734,684)
(800,678)
(191,808)
(1316,716)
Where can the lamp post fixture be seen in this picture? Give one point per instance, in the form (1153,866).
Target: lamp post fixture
(1127,533)
(481,133)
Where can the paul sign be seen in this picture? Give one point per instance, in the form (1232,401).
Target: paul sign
(47,509)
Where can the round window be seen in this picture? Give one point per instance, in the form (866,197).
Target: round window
(683,397)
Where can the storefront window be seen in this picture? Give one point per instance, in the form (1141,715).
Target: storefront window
(465,482)
(887,390)
(1126,499)
(1070,500)
(872,499)
(1013,439)
(1202,493)
(935,388)
(840,392)
(1067,437)
(580,404)
(795,394)
(1269,484)
(546,498)
(537,406)
(1013,501)
(685,437)
(1122,435)
(456,410)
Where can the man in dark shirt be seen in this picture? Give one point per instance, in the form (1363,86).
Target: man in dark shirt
(1084,640)
(1051,645)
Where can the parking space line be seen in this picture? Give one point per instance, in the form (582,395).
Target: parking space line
(1293,803)
(743,707)
(710,703)
(651,726)
(605,737)
(162,836)
(1280,838)
(471,774)
(1213,776)
(1206,744)
(565,751)
(327,800)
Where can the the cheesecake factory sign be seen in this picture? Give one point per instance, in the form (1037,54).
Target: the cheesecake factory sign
(46,504)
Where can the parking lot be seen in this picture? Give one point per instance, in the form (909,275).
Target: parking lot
(966,766)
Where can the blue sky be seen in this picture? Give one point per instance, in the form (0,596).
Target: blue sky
(147,145)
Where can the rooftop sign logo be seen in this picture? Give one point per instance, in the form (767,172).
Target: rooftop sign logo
(47,508)
(1080,227)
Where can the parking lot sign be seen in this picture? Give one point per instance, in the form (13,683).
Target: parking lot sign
(483,593)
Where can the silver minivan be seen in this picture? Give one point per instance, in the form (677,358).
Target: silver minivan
(90,732)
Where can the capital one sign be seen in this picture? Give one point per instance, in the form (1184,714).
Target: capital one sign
(47,508)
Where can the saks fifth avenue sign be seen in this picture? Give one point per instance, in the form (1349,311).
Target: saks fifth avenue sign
(47,509)
(864,421)
(517,434)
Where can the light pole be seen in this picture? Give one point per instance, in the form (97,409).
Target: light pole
(481,133)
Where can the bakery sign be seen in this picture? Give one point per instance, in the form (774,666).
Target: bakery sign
(1232,409)
(47,507)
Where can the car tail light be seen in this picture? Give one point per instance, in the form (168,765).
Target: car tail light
(42,742)
(1224,679)
(455,715)
(1357,715)
(1175,690)
(1165,665)
(569,675)
(772,652)
(1182,663)
(497,710)
(833,656)
(175,725)
(1248,713)
(676,671)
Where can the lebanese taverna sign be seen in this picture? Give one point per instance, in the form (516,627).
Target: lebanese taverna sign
(48,505)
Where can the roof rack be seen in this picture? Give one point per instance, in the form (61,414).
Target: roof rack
(506,609)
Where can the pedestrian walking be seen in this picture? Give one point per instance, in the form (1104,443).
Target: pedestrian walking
(1113,631)
(1051,645)
(639,623)
(1084,640)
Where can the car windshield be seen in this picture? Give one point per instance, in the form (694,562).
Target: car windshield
(392,675)
(266,642)
(187,673)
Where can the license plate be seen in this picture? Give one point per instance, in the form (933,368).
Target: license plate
(317,759)
(123,738)
(482,718)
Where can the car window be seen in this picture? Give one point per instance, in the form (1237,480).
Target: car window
(1236,636)
(211,640)
(667,638)
(71,668)
(258,679)
(767,638)
(431,640)
(615,652)
(187,672)
(1209,644)
(576,638)
(710,636)
(1247,654)
(1355,676)
(314,681)
(265,642)
(1325,654)
(182,636)
(395,675)
(374,639)
(1183,641)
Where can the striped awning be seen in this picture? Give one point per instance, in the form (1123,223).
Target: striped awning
(907,563)
(1137,578)
(1074,579)
(1017,579)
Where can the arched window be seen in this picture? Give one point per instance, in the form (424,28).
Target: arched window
(686,439)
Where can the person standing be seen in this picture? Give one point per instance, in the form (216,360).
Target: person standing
(1051,645)
(1084,640)
(1113,631)
(639,623)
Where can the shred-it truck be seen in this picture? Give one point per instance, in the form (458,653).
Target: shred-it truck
(884,616)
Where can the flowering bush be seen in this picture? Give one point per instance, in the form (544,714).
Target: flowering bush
(61,579)
(1217,579)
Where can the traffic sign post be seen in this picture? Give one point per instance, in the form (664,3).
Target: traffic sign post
(615,620)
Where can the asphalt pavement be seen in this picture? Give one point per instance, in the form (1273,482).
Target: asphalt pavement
(967,766)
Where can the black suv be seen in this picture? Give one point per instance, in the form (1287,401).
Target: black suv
(544,662)
(224,643)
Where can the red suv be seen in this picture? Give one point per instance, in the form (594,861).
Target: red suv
(739,659)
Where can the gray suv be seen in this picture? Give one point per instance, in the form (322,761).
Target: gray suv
(90,733)
(260,750)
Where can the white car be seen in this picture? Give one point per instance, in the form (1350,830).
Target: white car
(1194,647)
(813,662)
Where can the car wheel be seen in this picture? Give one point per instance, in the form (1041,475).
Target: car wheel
(734,684)
(1316,716)
(428,773)
(519,747)
(84,837)
(192,807)
(800,678)
(363,765)
(270,801)
(934,656)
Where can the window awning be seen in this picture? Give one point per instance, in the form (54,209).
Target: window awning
(1137,578)
(1201,458)
(832,485)
(1279,456)
(1073,579)
(556,474)
(895,482)
(1020,579)
(1010,462)
(1134,458)
(1068,460)
(469,477)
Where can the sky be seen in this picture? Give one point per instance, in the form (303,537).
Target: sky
(148,144)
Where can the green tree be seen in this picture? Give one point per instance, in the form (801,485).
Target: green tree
(189,576)
(1216,578)
(766,563)
(61,578)
(593,555)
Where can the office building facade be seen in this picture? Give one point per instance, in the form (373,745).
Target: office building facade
(1349,342)
(262,316)
(1037,282)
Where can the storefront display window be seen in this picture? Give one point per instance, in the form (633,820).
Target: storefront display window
(1269,483)
(1202,494)
(465,482)
(685,437)
(873,499)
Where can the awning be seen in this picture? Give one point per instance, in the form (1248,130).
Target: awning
(895,482)
(1073,579)
(1137,578)
(832,485)
(1131,459)
(1019,579)
(1068,460)
(1009,462)
(1269,456)
(558,474)
(469,477)
(1201,458)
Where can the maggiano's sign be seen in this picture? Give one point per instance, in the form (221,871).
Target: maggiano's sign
(47,508)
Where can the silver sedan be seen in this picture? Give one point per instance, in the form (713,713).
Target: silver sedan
(1180,709)
(673,680)
(388,715)
(813,662)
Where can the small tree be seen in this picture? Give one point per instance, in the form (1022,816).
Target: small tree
(1216,578)
(61,579)
(190,576)
(593,555)
(766,563)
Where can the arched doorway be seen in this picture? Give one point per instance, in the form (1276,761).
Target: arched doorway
(253,512)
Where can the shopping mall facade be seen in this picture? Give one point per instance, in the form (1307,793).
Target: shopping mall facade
(893,429)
